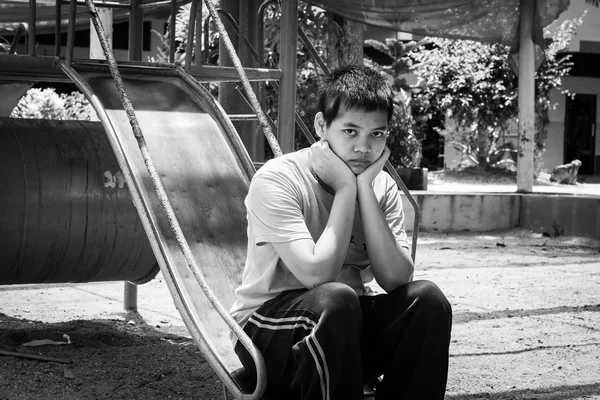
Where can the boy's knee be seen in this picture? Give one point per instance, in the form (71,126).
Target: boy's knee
(431,298)
(337,298)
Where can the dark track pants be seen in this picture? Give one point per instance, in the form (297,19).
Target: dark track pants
(325,342)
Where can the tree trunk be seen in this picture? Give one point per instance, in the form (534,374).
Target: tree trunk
(483,148)
(344,42)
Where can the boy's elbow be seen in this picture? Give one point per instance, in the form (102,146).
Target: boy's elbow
(311,276)
(401,277)
(392,285)
(311,281)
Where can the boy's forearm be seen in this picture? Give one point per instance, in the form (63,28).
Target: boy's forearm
(392,266)
(332,246)
(315,263)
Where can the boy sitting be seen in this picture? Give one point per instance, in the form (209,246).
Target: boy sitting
(323,221)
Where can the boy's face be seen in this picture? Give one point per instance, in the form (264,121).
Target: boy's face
(357,137)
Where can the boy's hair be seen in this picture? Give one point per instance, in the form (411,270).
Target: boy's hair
(355,87)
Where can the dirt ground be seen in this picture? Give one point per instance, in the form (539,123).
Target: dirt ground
(526,326)
(108,359)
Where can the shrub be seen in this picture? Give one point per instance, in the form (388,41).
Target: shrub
(47,104)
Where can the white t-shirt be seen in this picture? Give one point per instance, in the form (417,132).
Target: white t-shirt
(284,203)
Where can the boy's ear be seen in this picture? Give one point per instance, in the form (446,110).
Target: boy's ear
(320,124)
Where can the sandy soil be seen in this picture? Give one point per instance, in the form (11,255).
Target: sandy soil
(526,326)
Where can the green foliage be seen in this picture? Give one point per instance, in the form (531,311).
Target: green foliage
(47,104)
(182,20)
(472,84)
(315,23)
(181,31)
(405,147)
(404,131)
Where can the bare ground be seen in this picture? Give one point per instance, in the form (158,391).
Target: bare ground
(526,326)
(107,359)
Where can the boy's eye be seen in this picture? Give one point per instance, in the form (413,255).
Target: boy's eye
(378,134)
(350,132)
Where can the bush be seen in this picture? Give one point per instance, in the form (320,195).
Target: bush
(405,147)
(405,133)
(47,104)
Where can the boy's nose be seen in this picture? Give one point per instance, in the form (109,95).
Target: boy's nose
(362,146)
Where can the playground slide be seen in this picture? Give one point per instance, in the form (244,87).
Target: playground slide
(205,171)
(11,94)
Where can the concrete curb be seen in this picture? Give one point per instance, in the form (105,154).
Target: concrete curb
(554,214)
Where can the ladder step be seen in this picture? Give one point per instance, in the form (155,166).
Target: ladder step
(243,117)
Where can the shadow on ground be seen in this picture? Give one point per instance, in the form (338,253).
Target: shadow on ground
(108,359)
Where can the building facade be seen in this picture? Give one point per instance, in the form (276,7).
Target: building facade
(573,127)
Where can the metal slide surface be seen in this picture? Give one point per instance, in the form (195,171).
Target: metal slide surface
(206,172)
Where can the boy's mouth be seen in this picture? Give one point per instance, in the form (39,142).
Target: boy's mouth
(359,162)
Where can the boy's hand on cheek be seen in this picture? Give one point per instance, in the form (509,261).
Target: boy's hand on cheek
(366,177)
(330,168)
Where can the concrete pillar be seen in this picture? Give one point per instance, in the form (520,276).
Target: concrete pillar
(345,42)
(525,167)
